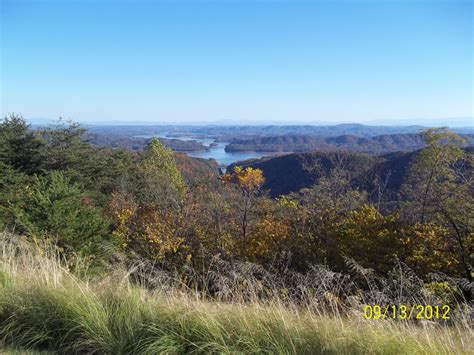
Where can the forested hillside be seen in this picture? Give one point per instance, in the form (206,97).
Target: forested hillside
(293,172)
(336,231)
(304,143)
(174,209)
(139,143)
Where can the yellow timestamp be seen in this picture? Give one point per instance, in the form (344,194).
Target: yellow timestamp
(407,312)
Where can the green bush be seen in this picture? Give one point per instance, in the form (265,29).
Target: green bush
(53,207)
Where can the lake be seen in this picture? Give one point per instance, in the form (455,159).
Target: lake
(218,152)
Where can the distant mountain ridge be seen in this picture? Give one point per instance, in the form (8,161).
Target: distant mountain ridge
(230,132)
(381,144)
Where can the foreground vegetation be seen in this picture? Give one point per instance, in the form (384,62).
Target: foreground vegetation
(43,307)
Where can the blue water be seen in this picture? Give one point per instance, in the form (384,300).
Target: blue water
(224,158)
(218,153)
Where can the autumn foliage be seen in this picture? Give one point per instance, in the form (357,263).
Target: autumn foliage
(141,207)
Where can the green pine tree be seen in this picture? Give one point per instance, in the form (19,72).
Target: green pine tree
(53,207)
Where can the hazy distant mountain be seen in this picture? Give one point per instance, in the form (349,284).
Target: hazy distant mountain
(453,122)
(232,131)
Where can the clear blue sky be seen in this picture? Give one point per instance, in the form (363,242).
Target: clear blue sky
(241,60)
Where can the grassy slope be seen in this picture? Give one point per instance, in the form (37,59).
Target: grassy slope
(43,307)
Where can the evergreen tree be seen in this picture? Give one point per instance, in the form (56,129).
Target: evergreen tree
(53,207)
(19,146)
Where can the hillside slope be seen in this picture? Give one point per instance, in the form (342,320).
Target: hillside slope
(139,143)
(305,143)
(292,172)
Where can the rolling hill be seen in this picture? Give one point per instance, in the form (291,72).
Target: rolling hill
(305,143)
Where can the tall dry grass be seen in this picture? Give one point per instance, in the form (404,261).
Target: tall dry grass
(44,307)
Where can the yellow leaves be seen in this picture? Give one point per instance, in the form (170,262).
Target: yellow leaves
(286,202)
(365,215)
(148,231)
(430,232)
(430,248)
(371,238)
(249,179)
(124,215)
(268,238)
(121,206)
